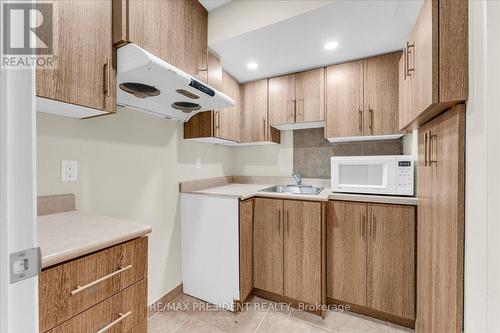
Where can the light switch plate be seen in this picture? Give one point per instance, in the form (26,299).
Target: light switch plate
(69,171)
(198,163)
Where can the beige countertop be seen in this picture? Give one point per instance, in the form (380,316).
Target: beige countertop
(68,235)
(249,190)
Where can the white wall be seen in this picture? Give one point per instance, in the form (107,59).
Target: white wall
(271,160)
(129,167)
(482,221)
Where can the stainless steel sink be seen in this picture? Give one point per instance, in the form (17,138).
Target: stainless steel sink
(294,189)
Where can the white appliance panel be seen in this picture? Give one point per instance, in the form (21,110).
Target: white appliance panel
(210,248)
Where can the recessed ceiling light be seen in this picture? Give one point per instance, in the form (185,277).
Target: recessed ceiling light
(331,45)
(252,65)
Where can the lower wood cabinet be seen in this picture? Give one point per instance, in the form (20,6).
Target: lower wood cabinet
(441,188)
(287,249)
(97,290)
(371,259)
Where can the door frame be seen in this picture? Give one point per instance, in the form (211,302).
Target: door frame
(18,301)
(482,228)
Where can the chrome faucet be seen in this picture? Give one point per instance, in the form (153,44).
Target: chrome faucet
(298,177)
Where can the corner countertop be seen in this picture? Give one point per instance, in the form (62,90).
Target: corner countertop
(68,235)
(245,191)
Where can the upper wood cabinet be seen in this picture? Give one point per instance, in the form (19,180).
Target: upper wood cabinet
(371,258)
(214,71)
(362,97)
(436,62)
(85,76)
(254,121)
(297,100)
(310,96)
(344,102)
(288,244)
(380,94)
(173,30)
(228,120)
(219,126)
(282,100)
(441,189)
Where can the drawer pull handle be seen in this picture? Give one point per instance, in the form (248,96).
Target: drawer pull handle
(79,289)
(121,316)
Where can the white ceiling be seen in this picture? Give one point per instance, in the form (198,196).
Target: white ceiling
(362,28)
(212,4)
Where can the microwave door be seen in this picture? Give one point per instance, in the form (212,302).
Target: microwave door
(364,177)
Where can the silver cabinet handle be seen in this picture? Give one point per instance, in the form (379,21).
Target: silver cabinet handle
(287,224)
(409,70)
(279,220)
(370,125)
(107,76)
(264,122)
(426,137)
(360,119)
(292,108)
(79,289)
(217,123)
(121,317)
(431,138)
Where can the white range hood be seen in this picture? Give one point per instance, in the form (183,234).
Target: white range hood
(149,84)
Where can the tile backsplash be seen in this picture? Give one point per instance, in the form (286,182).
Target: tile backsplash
(312,152)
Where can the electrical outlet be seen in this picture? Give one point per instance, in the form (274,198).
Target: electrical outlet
(198,163)
(69,171)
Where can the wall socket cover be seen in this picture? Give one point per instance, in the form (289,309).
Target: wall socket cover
(69,171)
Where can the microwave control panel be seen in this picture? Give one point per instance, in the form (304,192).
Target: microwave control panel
(405,177)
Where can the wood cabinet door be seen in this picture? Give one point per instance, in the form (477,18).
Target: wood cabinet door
(302,251)
(310,96)
(405,90)
(268,245)
(282,100)
(391,259)
(346,251)
(214,67)
(381,87)
(423,58)
(246,249)
(344,100)
(254,114)
(86,70)
(227,122)
(173,30)
(159,27)
(196,39)
(441,223)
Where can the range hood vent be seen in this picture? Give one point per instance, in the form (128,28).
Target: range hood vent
(149,84)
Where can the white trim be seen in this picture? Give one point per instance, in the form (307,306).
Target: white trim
(59,108)
(366,138)
(215,140)
(295,126)
(482,227)
(18,301)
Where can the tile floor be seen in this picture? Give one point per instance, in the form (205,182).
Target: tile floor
(187,314)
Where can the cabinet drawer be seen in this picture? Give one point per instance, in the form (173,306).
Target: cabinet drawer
(68,289)
(119,313)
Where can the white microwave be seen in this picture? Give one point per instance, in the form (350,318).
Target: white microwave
(388,174)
